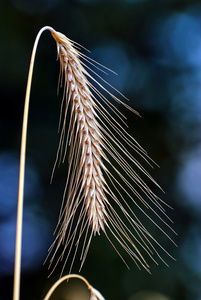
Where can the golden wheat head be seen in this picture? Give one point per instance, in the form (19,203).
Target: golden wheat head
(102,174)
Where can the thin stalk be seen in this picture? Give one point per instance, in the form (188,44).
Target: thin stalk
(18,245)
(67,277)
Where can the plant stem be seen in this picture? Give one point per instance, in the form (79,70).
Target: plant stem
(57,283)
(18,246)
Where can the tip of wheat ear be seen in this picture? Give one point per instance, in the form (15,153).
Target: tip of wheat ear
(104,190)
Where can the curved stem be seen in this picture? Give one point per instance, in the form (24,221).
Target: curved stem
(57,283)
(18,247)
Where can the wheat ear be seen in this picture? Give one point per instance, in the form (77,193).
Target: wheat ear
(98,143)
(89,193)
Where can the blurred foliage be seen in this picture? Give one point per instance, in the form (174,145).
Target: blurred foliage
(155,47)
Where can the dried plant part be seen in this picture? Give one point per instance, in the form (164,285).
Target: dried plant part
(94,294)
(104,189)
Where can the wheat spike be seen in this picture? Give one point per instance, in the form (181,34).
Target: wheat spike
(92,137)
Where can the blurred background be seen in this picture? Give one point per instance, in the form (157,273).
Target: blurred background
(155,47)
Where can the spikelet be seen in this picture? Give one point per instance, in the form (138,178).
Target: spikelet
(98,147)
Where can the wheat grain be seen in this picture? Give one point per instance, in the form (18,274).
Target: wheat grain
(98,147)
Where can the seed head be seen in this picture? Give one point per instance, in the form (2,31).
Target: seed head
(104,188)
